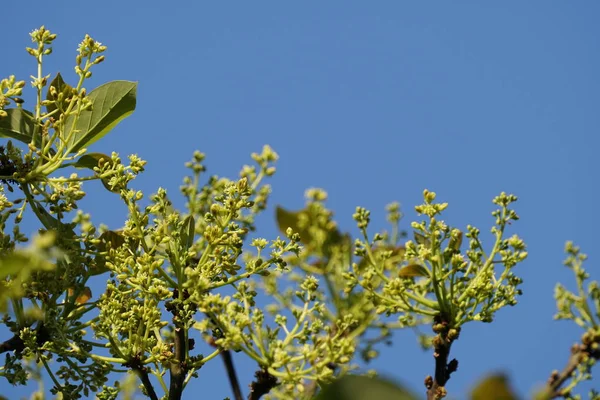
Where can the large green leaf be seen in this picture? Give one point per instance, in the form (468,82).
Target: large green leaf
(61,101)
(299,221)
(18,124)
(289,219)
(355,387)
(111,103)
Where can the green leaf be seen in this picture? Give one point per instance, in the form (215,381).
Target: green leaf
(111,103)
(493,387)
(63,101)
(108,240)
(413,270)
(18,124)
(355,387)
(188,231)
(91,161)
(289,219)
(421,239)
(455,242)
(12,264)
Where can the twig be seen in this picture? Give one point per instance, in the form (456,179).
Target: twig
(178,369)
(231,374)
(443,369)
(579,354)
(15,343)
(262,385)
(142,372)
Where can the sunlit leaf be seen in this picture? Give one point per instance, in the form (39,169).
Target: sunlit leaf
(493,387)
(18,124)
(455,242)
(413,270)
(111,102)
(83,296)
(355,387)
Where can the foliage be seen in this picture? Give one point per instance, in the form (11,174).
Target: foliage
(185,287)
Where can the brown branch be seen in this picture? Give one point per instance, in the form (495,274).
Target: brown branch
(579,353)
(436,385)
(231,374)
(15,343)
(142,371)
(262,385)
(178,369)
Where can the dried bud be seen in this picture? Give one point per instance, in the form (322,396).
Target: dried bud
(428,381)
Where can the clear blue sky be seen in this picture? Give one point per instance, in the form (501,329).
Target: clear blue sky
(372,101)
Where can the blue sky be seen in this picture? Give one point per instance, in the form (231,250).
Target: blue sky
(373,102)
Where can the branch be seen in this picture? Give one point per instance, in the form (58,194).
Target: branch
(231,374)
(15,343)
(579,354)
(142,372)
(262,385)
(443,369)
(178,369)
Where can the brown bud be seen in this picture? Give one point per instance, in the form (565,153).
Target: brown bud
(428,381)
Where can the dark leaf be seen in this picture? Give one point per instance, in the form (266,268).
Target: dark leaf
(188,231)
(18,124)
(108,240)
(62,88)
(93,160)
(355,387)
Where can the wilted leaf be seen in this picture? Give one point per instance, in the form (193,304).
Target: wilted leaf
(413,270)
(83,296)
(111,102)
(355,387)
(493,387)
(93,160)
(18,124)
